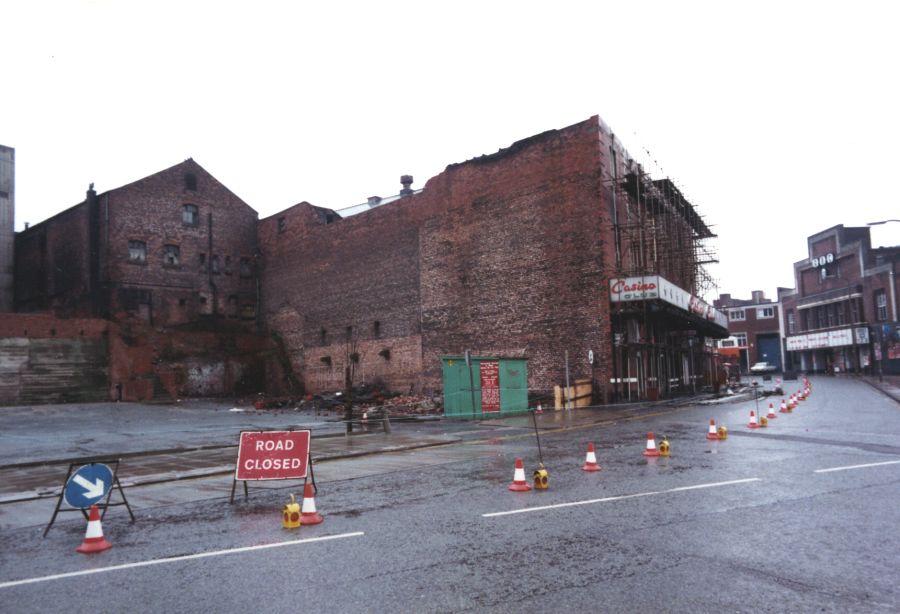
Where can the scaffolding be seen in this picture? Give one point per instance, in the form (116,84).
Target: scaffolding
(657,231)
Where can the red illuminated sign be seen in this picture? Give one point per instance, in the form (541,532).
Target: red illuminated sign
(272,455)
(490,386)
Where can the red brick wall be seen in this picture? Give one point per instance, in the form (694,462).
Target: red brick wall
(502,254)
(150,210)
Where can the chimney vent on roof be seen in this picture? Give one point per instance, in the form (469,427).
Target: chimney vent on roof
(406,180)
(374,201)
(758,296)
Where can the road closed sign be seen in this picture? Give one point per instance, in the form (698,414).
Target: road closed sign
(272,455)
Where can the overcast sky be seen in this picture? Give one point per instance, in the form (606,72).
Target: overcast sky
(777,119)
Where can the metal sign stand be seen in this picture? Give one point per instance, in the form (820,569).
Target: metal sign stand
(309,475)
(116,484)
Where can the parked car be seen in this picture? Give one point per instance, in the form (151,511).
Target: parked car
(763,367)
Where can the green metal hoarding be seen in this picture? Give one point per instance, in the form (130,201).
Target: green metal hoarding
(488,386)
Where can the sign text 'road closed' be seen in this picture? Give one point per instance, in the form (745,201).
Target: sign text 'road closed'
(272,455)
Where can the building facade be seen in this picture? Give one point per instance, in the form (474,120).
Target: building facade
(754,329)
(559,245)
(7,228)
(842,315)
(173,248)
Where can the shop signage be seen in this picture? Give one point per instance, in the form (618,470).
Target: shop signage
(827,339)
(649,287)
(823,260)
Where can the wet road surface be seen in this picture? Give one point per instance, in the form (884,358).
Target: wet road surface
(801,516)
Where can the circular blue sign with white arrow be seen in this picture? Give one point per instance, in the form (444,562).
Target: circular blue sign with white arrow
(88,485)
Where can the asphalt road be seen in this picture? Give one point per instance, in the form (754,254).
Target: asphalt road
(749,524)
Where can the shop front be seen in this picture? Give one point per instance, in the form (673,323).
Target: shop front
(841,350)
(663,339)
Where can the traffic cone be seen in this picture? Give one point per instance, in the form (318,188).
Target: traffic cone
(539,409)
(753,423)
(713,434)
(590,460)
(651,446)
(93,538)
(783,408)
(771,415)
(519,484)
(308,513)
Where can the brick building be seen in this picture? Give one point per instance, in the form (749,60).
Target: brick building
(754,329)
(557,245)
(534,251)
(842,315)
(170,249)
(7,228)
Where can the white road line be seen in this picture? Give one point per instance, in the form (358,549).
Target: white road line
(174,559)
(894,462)
(620,497)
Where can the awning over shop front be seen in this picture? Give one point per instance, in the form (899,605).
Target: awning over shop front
(670,298)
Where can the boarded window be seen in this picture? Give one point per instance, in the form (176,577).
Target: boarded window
(137,251)
(190,182)
(282,224)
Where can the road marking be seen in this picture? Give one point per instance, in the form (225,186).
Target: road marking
(175,559)
(621,497)
(894,462)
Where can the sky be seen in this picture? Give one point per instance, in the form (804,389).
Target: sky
(777,119)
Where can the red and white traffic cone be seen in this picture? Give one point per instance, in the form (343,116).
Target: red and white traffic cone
(712,434)
(93,538)
(308,513)
(539,409)
(519,484)
(651,446)
(753,423)
(771,415)
(590,460)
(783,409)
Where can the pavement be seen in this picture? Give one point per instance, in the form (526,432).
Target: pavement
(800,517)
(887,384)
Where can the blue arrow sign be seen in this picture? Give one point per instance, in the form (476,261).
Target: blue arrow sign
(88,485)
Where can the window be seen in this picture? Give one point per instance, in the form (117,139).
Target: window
(736,314)
(791,323)
(726,343)
(282,224)
(190,182)
(854,311)
(137,251)
(349,332)
(202,260)
(832,316)
(823,318)
(171,255)
(765,312)
(214,265)
(376,328)
(741,339)
(323,337)
(841,313)
(246,269)
(190,215)
(881,306)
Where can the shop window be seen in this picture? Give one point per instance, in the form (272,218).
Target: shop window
(190,215)
(137,251)
(881,306)
(171,255)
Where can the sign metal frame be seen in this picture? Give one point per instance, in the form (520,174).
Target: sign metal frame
(310,475)
(105,505)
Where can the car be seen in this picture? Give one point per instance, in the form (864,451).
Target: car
(763,367)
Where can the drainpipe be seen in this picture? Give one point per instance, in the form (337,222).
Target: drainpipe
(212,284)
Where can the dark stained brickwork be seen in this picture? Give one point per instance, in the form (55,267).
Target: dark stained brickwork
(503,254)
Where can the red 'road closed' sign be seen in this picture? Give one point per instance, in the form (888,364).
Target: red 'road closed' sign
(272,455)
